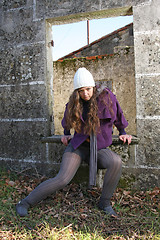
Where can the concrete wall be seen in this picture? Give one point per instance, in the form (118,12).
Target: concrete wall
(147,68)
(26,81)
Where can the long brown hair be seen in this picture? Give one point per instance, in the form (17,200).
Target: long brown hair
(75,110)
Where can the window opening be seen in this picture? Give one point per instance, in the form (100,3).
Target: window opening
(70,37)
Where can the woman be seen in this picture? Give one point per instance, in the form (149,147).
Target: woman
(91,112)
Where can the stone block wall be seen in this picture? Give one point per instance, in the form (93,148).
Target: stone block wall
(147,68)
(23,97)
(26,80)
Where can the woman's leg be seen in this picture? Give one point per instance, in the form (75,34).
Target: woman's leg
(112,162)
(70,164)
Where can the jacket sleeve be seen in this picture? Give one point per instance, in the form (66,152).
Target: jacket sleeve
(120,122)
(66,131)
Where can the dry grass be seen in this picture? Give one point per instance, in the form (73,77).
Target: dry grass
(73,214)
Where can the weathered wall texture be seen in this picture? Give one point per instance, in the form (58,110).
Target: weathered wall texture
(26,80)
(117,70)
(147,64)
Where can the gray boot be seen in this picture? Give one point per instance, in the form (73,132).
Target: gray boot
(104,204)
(109,211)
(22,208)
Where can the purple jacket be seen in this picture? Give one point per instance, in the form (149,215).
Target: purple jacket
(107,120)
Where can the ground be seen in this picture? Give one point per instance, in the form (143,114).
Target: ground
(72,213)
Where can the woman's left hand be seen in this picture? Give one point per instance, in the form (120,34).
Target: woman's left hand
(125,138)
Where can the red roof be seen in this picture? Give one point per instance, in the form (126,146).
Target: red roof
(96,41)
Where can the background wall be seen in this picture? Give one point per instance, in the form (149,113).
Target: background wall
(26,79)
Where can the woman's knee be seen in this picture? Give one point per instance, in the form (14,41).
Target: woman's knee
(117,161)
(64,180)
(109,159)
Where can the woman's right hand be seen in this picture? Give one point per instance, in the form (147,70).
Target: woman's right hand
(65,139)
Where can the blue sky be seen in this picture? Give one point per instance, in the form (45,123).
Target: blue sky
(70,37)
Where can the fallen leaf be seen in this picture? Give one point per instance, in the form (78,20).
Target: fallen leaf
(11,183)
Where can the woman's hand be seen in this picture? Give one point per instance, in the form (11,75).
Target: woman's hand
(65,139)
(125,138)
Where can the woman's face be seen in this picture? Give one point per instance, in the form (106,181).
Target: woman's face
(86,93)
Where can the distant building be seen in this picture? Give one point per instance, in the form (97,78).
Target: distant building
(106,44)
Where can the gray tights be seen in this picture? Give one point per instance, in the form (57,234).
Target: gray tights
(70,163)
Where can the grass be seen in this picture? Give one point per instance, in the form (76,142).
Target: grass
(72,213)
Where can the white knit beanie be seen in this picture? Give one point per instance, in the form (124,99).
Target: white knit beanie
(83,78)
